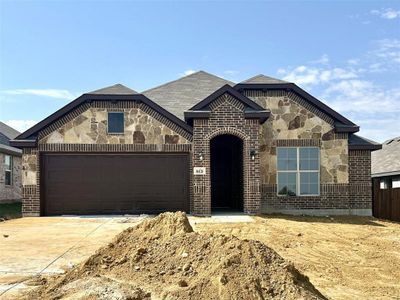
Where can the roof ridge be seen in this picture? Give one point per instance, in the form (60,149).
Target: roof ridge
(186,76)
(256,76)
(249,80)
(117,85)
(216,76)
(389,141)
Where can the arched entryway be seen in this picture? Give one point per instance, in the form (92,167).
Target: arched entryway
(226,173)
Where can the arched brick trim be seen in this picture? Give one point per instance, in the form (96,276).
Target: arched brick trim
(227,130)
(226,117)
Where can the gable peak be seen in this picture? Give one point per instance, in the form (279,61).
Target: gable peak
(263,79)
(116,89)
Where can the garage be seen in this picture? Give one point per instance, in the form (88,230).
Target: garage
(93,183)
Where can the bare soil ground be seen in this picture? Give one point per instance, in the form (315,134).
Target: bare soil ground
(344,257)
(163,258)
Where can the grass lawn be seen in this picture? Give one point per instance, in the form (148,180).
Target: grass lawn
(10,210)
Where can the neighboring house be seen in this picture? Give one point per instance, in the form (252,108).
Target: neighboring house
(199,144)
(10,166)
(386,180)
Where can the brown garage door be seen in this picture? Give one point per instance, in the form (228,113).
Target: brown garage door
(114,183)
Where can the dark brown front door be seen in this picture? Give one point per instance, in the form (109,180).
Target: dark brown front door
(114,183)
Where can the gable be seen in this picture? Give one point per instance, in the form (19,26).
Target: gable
(340,123)
(290,119)
(74,108)
(250,108)
(88,125)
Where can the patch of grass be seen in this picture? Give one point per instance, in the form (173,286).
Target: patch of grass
(11,210)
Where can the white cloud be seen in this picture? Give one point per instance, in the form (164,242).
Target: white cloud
(352,90)
(386,13)
(52,93)
(308,76)
(20,125)
(362,96)
(324,59)
(353,61)
(388,50)
(187,72)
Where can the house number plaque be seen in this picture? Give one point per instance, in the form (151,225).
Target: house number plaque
(199,171)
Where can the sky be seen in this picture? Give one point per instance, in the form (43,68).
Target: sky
(345,53)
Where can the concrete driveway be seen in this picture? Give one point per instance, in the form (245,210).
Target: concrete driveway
(49,245)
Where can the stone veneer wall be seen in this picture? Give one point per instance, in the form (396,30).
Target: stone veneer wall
(227,117)
(90,127)
(85,130)
(11,192)
(296,123)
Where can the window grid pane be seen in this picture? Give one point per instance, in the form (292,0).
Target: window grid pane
(396,183)
(287,183)
(383,184)
(8,178)
(8,169)
(305,171)
(309,183)
(7,162)
(287,159)
(309,159)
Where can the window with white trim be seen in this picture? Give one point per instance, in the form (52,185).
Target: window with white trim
(8,169)
(396,183)
(298,171)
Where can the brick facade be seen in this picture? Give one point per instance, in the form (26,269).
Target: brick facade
(227,117)
(360,179)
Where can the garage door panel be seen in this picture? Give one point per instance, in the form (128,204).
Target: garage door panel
(115,183)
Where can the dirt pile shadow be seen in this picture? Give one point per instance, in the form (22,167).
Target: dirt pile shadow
(163,258)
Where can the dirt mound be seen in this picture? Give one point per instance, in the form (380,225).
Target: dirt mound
(163,258)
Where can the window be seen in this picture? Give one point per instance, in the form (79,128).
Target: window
(384,184)
(8,169)
(396,183)
(115,122)
(298,171)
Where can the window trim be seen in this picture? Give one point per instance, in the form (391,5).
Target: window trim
(298,172)
(108,122)
(10,170)
(396,178)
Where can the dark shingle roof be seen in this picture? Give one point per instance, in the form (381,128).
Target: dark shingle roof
(6,134)
(387,160)
(179,95)
(8,131)
(359,142)
(262,79)
(116,89)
